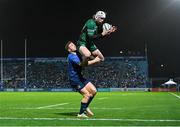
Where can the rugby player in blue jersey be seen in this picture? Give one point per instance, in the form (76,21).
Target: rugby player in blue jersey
(82,85)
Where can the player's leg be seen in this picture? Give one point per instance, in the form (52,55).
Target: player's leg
(92,90)
(79,86)
(95,52)
(84,52)
(86,95)
(98,53)
(84,102)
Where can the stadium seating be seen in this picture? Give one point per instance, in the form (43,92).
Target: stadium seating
(48,73)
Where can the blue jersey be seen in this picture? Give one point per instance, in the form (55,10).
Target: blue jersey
(74,68)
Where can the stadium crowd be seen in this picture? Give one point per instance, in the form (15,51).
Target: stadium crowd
(52,73)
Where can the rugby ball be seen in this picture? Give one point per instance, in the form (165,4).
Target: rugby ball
(106,26)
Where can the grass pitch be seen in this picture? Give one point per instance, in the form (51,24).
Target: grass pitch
(110,109)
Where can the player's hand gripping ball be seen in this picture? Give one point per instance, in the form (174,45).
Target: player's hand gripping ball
(106,27)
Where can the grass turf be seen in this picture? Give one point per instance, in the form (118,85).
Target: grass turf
(110,108)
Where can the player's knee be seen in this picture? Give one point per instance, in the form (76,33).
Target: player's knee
(87,55)
(87,96)
(84,51)
(91,95)
(102,59)
(94,91)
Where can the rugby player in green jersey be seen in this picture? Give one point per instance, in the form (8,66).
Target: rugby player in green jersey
(91,31)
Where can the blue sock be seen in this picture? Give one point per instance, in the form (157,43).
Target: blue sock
(83,107)
(89,101)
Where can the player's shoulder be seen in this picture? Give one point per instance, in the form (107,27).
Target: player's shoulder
(72,56)
(90,22)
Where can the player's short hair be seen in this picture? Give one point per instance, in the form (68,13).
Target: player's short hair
(67,44)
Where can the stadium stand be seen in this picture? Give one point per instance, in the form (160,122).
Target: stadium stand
(51,73)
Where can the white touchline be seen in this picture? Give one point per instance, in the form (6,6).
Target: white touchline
(52,105)
(175,95)
(94,119)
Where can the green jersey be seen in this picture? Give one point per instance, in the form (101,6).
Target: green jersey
(89,33)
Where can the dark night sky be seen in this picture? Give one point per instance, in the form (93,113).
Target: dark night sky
(48,25)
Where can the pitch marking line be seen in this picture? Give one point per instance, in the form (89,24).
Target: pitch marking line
(93,119)
(102,98)
(49,108)
(52,105)
(175,95)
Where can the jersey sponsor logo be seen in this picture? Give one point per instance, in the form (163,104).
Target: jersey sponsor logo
(90,30)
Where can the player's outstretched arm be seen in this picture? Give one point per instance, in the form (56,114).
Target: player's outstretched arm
(90,62)
(95,60)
